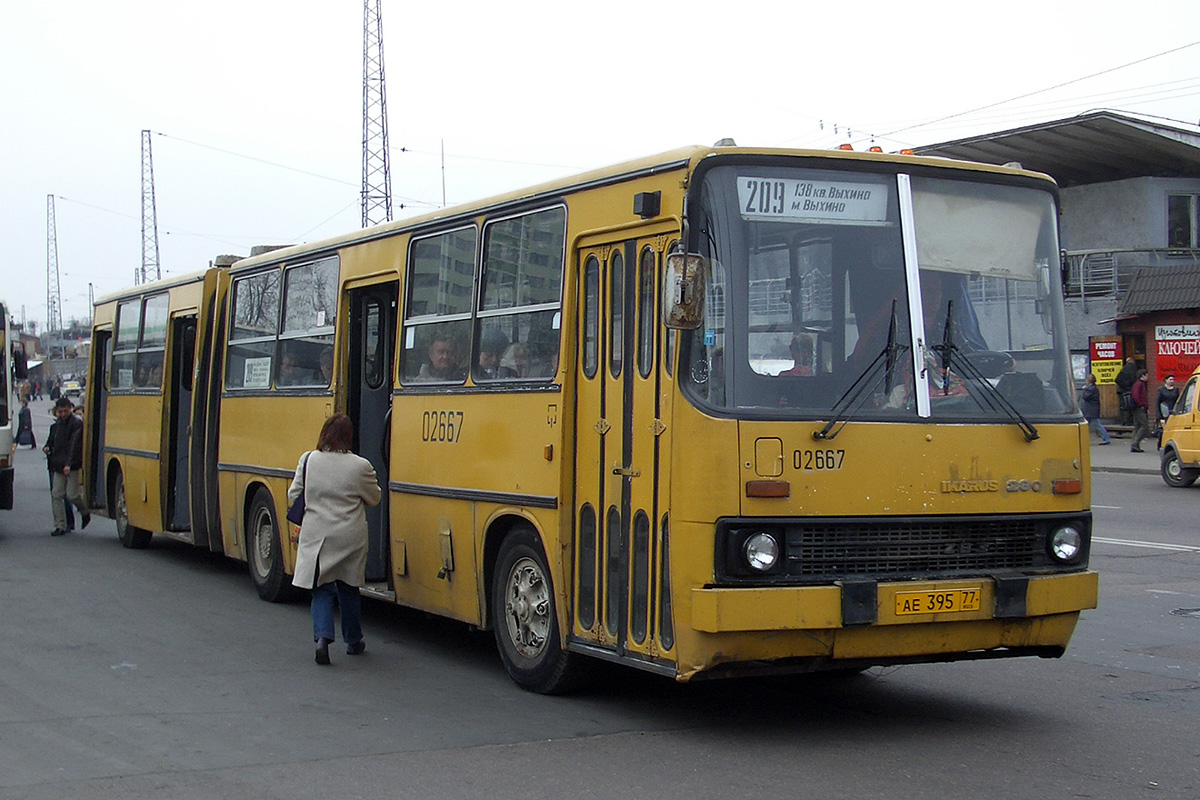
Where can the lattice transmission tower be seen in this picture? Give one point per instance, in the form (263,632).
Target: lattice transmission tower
(53,296)
(376,170)
(150,268)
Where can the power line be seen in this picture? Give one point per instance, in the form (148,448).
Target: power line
(256,159)
(1041,91)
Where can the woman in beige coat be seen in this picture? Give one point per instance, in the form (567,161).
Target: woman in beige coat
(331,558)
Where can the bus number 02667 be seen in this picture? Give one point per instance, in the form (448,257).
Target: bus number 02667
(441,426)
(818,459)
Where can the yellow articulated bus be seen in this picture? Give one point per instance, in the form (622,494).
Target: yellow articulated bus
(717,411)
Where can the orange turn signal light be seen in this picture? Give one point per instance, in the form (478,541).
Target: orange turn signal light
(1067,486)
(768,488)
(875,149)
(845,147)
(907,152)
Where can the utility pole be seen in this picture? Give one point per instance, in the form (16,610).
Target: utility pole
(376,172)
(53,296)
(150,267)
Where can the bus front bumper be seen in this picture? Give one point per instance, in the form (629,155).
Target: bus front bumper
(722,610)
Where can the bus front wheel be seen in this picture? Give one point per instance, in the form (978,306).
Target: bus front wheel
(264,555)
(131,536)
(525,620)
(1174,473)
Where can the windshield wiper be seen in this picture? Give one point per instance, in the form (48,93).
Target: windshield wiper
(863,386)
(989,393)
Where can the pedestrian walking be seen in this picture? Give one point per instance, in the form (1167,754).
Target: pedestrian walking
(1089,403)
(64,457)
(1140,397)
(25,426)
(331,556)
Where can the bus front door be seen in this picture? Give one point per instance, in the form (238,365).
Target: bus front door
(619,473)
(369,402)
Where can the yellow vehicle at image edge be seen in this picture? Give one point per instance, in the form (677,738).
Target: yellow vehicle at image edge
(12,370)
(717,411)
(1180,458)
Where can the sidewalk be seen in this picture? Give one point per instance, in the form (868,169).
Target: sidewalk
(1117,458)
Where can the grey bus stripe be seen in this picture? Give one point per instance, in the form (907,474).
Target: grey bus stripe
(254,469)
(479,495)
(125,451)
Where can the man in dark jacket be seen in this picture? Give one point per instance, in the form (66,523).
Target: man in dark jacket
(64,454)
(1124,381)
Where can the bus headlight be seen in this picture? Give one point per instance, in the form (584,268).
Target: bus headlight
(761,551)
(1065,544)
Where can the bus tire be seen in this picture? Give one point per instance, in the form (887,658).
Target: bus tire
(1174,473)
(131,537)
(524,618)
(264,554)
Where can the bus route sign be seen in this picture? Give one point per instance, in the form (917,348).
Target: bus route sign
(813,200)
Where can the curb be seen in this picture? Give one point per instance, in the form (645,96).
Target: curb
(1125,470)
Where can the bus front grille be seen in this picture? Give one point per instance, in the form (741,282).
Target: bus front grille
(827,549)
(884,549)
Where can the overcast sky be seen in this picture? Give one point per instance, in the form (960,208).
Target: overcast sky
(256,106)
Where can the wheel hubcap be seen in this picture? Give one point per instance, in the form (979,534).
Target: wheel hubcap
(527,608)
(122,508)
(262,544)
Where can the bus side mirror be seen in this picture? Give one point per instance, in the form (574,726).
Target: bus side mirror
(683,291)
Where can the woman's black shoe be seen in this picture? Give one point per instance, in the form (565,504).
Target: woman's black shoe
(323,651)
(356,649)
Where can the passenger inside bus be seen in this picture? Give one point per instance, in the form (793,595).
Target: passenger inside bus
(801,349)
(443,358)
(325,373)
(491,348)
(515,361)
(292,371)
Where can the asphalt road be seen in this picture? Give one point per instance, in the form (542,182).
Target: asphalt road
(159,674)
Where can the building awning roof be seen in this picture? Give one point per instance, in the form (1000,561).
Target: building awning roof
(1162,289)
(1095,147)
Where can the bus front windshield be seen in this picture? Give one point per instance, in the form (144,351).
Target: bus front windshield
(816,274)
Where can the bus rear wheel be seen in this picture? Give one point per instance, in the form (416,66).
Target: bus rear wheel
(264,554)
(131,536)
(1174,473)
(525,621)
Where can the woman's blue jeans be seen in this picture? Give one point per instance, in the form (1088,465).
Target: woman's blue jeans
(1098,427)
(322,611)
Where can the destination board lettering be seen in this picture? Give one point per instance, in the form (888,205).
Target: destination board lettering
(812,200)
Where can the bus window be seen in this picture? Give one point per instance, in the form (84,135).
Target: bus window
(252,337)
(129,323)
(438,313)
(616,302)
(520,294)
(647,319)
(309,310)
(591,316)
(153,342)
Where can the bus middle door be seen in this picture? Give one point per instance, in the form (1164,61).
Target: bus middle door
(369,403)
